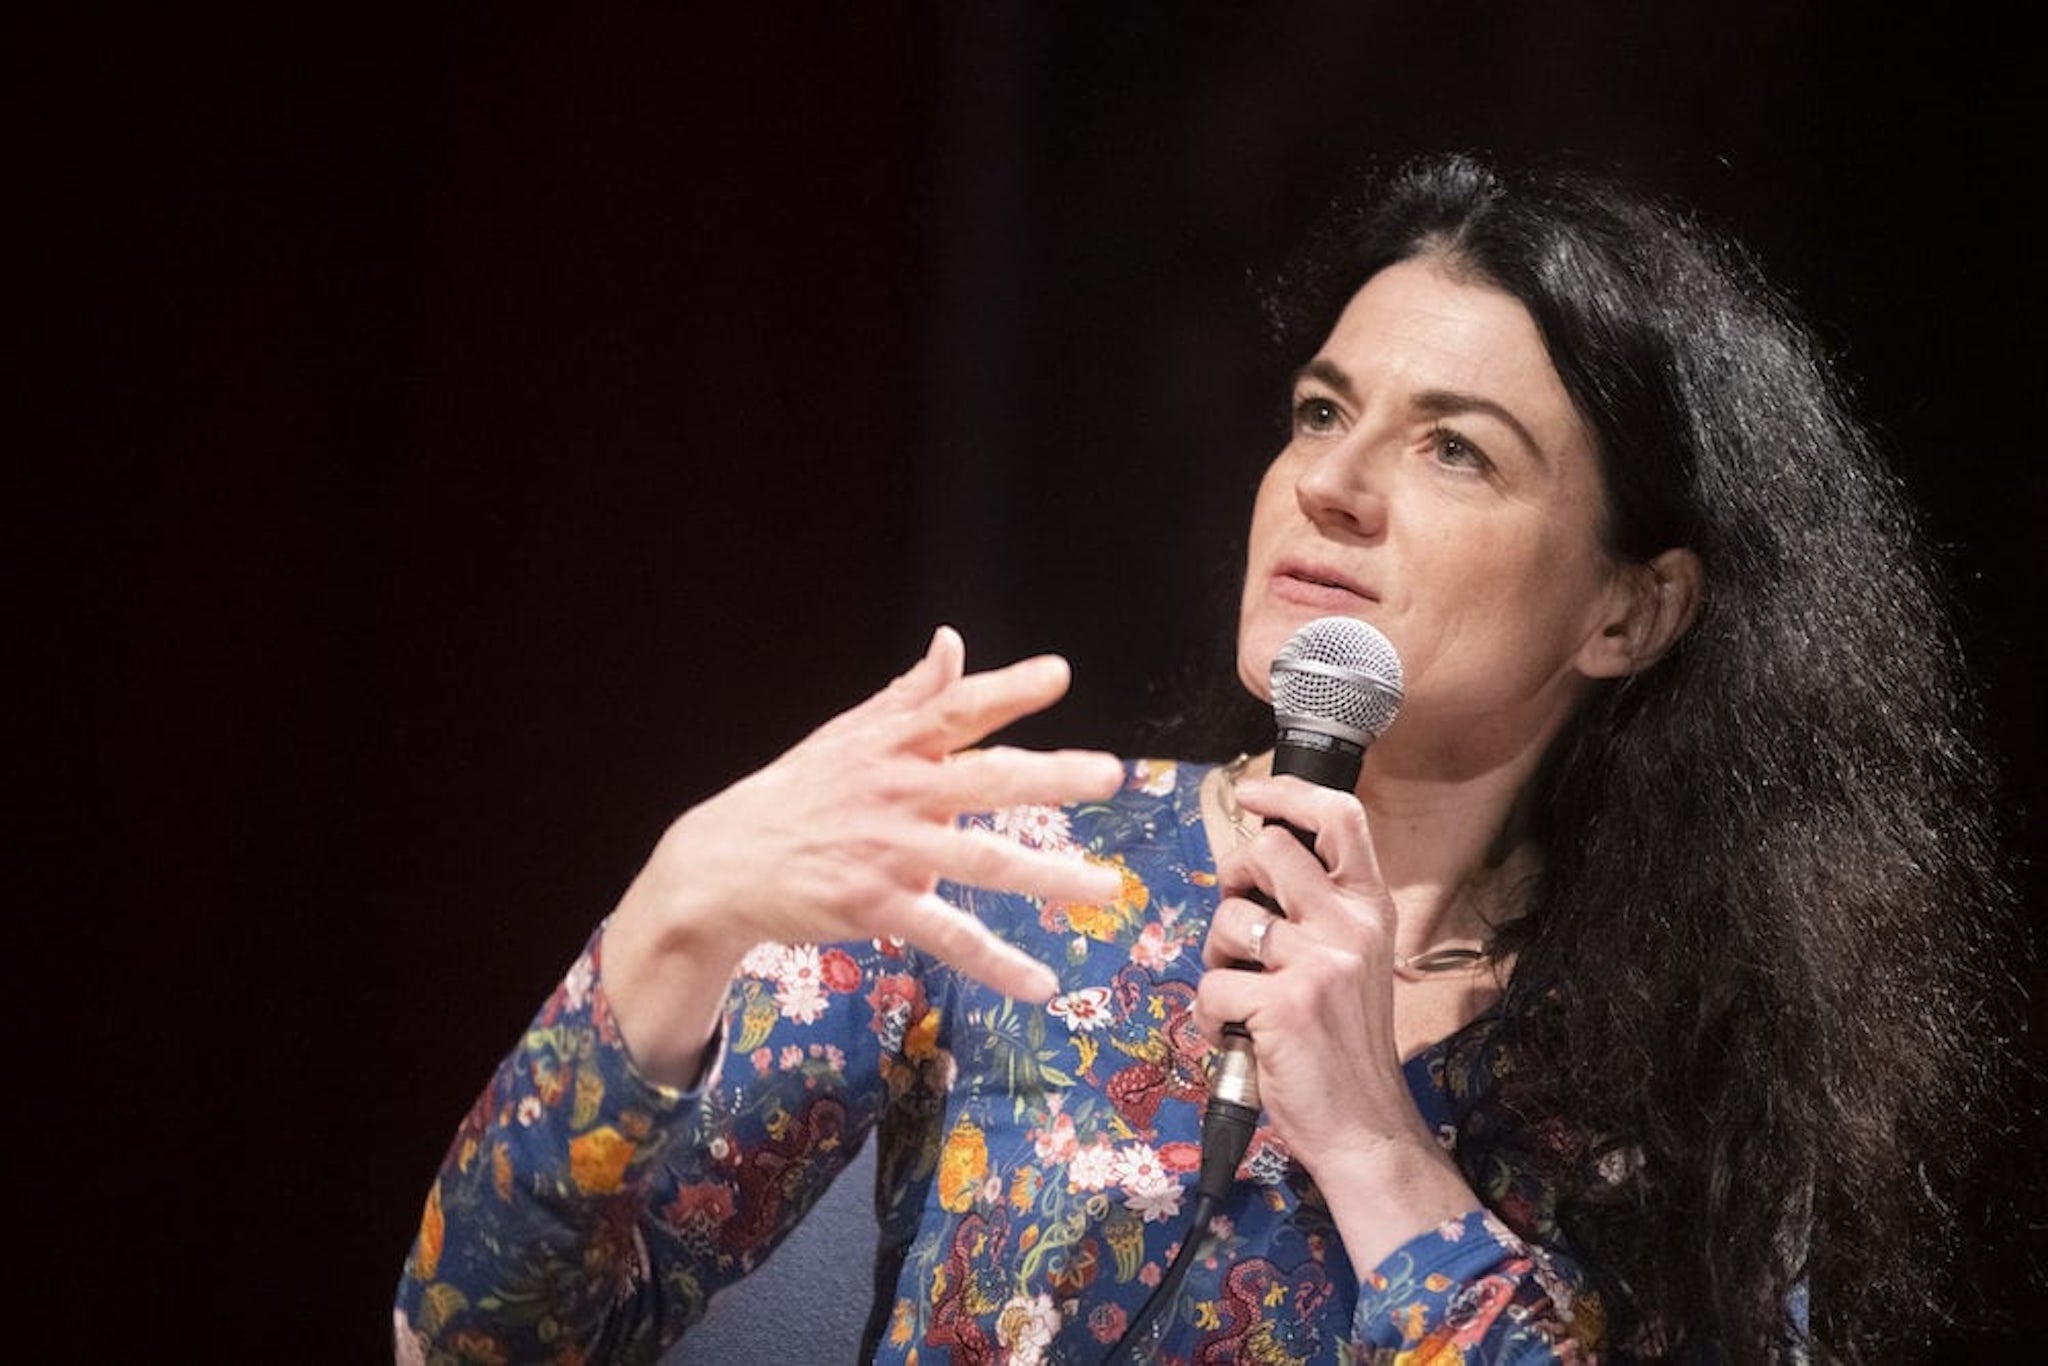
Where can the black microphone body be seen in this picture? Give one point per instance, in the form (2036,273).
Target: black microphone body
(1325,760)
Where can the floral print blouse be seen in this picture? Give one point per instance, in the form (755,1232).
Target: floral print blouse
(1036,1164)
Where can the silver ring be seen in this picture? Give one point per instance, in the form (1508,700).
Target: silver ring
(1259,939)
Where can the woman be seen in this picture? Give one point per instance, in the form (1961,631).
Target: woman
(1679,767)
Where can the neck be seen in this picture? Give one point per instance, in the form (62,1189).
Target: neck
(1457,859)
(1452,824)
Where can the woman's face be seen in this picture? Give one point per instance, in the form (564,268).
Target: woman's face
(1440,484)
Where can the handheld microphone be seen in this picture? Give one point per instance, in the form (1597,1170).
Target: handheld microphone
(1336,687)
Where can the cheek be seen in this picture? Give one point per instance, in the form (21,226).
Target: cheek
(1270,503)
(1258,639)
(1522,608)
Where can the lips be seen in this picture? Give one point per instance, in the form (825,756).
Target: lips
(1317,585)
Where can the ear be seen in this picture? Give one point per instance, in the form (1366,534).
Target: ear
(1652,604)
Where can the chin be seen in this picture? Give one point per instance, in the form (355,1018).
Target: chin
(1257,643)
(1260,687)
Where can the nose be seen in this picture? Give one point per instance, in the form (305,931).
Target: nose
(1340,487)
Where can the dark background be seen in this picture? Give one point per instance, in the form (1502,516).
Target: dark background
(460,437)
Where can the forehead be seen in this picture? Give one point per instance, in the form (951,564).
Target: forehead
(1422,325)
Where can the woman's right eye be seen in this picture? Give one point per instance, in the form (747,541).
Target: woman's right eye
(1315,415)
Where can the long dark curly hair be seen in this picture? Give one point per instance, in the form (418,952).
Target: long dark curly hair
(1750,1007)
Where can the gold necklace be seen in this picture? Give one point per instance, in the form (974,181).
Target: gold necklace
(1443,958)
(1226,797)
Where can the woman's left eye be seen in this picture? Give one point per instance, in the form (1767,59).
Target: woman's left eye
(1315,415)
(1455,450)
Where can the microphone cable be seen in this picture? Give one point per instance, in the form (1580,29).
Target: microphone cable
(1140,1341)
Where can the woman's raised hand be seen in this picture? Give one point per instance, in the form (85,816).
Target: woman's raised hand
(846,836)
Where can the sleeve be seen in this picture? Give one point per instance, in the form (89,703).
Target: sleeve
(1472,1290)
(584,1213)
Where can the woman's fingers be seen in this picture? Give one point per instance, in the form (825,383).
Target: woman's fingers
(935,707)
(982,858)
(974,706)
(950,934)
(991,779)
(1243,933)
(941,665)
(1234,997)
(1332,815)
(1343,860)
(945,659)
(1276,868)
(841,832)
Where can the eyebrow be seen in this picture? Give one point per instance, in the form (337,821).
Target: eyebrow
(1436,402)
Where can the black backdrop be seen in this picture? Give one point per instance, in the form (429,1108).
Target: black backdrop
(459,437)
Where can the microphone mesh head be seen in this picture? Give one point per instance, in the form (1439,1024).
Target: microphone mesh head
(1339,676)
